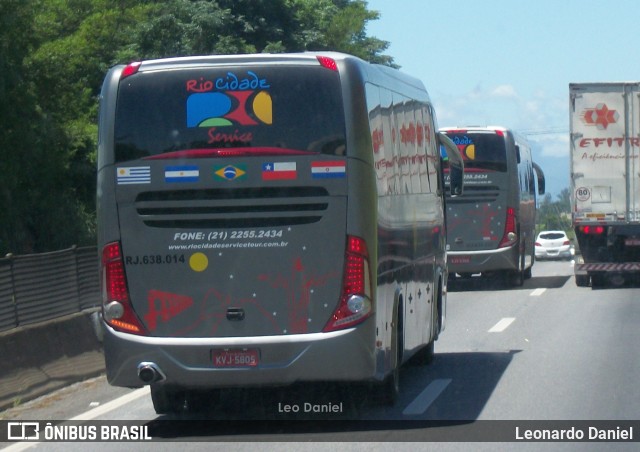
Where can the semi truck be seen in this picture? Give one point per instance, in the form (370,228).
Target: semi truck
(605,181)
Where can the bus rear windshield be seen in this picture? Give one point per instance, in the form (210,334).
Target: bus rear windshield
(485,151)
(258,109)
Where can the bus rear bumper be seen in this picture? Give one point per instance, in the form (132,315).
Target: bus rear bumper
(346,355)
(470,262)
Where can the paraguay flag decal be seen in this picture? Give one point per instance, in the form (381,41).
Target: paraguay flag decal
(332,169)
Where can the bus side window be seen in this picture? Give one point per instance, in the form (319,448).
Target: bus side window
(432,148)
(376,130)
(421,146)
(417,155)
(396,127)
(386,104)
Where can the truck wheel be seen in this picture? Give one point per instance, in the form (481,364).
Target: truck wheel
(597,280)
(582,280)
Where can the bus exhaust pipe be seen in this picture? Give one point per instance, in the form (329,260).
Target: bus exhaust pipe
(150,373)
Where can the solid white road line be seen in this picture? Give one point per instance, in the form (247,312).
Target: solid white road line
(502,325)
(537,292)
(421,403)
(114,404)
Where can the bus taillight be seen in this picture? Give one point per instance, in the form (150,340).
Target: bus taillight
(510,235)
(130,69)
(116,306)
(327,62)
(355,302)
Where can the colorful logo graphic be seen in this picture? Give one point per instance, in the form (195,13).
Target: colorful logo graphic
(229,172)
(238,101)
(465,145)
(600,116)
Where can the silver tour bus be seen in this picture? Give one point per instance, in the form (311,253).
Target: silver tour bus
(491,228)
(268,219)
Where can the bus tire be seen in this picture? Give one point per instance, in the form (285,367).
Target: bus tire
(426,354)
(515,278)
(167,399)
(528,273)
(202,400)
(518,276)
(390,388)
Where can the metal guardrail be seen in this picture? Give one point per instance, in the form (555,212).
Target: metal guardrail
(38,287)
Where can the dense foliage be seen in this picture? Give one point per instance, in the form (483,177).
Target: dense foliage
(55,53)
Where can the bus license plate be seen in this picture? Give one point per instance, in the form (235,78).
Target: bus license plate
(235,358)
(632,241)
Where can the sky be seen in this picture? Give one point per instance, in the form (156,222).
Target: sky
(510,62)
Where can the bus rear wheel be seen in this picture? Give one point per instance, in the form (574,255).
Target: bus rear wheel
(426,355)
(167,399)
(390,388)
(517,278)
(513,278)
(174,400)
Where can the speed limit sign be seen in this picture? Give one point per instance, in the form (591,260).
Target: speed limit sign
(583,194)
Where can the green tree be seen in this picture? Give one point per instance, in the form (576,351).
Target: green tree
(38,210)
(17,116)
(555,215)
(54,54)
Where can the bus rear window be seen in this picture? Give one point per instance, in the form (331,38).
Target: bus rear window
(479,150)
(268,109)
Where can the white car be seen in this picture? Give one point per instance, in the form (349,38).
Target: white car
(553,245)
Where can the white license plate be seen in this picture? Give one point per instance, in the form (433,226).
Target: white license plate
(235,357)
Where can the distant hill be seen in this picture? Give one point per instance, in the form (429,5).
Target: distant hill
(556,169)
(556,172)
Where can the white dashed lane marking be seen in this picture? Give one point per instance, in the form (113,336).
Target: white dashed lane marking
(537,292)
(502,325)
(424,400)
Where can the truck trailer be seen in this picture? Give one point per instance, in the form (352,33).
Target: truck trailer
(605,181)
